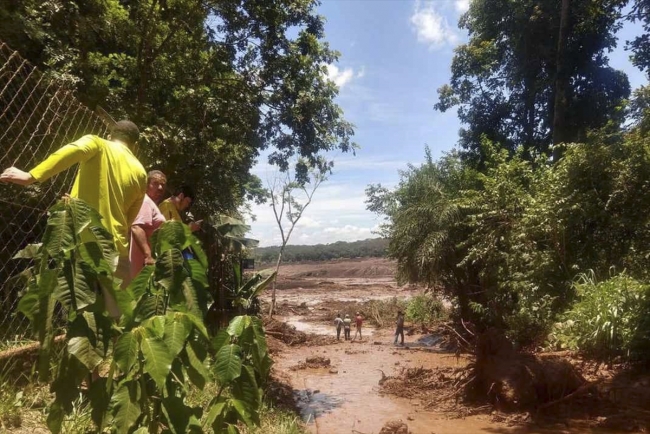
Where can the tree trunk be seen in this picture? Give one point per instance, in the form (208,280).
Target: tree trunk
(277,268)
(561,82)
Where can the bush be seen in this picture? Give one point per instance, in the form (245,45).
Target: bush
(424,309)
(608,320)
(382,313)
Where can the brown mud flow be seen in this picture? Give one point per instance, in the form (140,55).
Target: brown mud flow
(338,385)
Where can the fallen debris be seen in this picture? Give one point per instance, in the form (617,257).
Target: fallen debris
(394,427)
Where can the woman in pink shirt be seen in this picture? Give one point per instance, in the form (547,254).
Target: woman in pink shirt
(148,220)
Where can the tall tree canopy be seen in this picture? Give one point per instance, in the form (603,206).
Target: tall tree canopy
(504,78)
(212,83)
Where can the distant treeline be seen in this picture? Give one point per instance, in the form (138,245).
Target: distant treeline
(375,247)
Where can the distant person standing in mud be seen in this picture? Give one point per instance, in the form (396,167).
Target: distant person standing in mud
(399,327)
(359,322)
(347,323)
(338,322)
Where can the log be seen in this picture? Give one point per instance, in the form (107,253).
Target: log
(26,349)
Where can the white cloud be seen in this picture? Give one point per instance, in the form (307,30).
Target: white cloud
(341,77)
(462,6)
(432,27)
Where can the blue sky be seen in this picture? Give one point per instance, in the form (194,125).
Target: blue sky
(395,54)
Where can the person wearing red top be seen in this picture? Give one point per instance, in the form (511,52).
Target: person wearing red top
(358,320)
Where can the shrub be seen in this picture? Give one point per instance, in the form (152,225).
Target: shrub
(608,320)
(424,309)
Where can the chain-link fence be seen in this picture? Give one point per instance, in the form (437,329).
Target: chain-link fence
(37,116)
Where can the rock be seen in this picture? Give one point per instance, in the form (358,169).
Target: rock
(317,362)
(316,391)
(394,427)
(376,343)
(409,418)
(334,371)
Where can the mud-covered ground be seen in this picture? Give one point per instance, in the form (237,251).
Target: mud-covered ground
(357,386)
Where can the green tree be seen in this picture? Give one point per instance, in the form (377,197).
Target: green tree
(211,83)
(504,78)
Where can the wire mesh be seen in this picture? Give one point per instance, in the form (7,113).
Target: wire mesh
(38,115)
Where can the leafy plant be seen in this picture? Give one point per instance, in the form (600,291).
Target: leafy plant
(424,309)
(159,347)
(608,320)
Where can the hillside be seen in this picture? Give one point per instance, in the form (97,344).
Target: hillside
(373,247)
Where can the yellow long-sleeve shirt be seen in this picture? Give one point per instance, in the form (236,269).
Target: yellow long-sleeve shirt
(110,178)
(168,209)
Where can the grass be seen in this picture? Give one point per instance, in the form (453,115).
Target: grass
(273,420)
(276,421)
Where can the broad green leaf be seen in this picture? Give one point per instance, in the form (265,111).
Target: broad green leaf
(228,363)
(31,251)
(157,359)
(237,325)
(126,352)
(141,283)
(177,330)
(200,326)
(196,365)
(80,213)
(169,271)
(125,405)
(29,303)
(150,305)
(246,413)
(81,348)
(199,253)
(105,241)
(99,401)
(255,290)
(170,236)
(245,388)
(76,291)
(221,338)
(91,253)
(260,335)
(55,418)
(197,272)
(216,414)
(155,326)
(59,234)
(47,283)
(265,367)
(70,374)
(190,294)
(180,417)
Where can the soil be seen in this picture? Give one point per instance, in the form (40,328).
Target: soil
(371,386)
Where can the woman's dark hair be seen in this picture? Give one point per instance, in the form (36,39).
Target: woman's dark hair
(125,131)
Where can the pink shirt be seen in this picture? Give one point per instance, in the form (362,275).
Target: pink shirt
(149,218)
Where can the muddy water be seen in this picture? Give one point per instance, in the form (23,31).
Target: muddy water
(349,401)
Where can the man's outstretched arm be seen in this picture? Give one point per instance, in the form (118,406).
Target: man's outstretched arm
(67,156)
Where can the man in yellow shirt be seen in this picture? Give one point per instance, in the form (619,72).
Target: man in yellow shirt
(110,179)
(180,201)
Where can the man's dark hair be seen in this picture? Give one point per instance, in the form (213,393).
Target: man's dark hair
(125,131)
(186,190)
